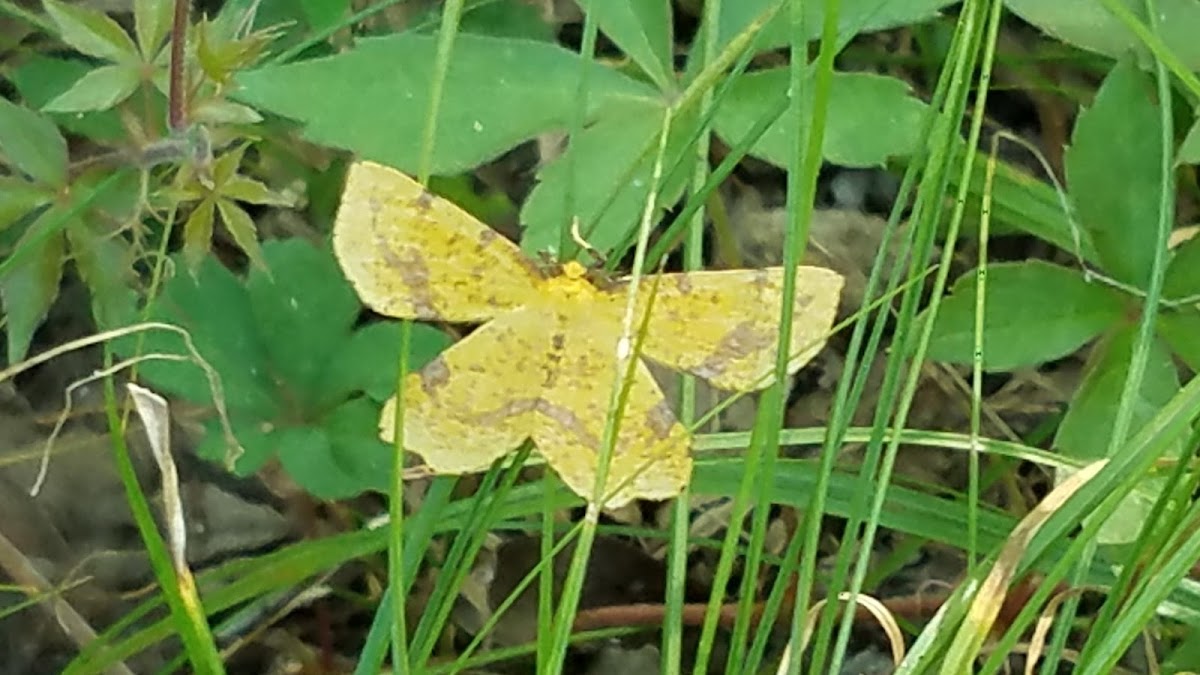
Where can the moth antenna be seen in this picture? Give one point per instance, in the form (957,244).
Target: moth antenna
(577,237)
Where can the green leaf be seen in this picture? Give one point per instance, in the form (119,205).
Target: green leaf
(100,89)
(353,430)
(327,471)
(221,112)
(41,79)
(609,161)
(368,361)
(105,263)
(1034,312)
(32,144)
(642,29)
(1087,428)
(31,286)
(303,310)
(197,234)
(257,440)
(151,23)
(324,14)
(214,308)
(359,100)
(242,227)
(249,190)
(92,32)
(1114,175)
(1089,25)
(871,117)
(19,197)
(854,17)
(1189,149)
(506,19)
(1183,272)
(1180,328)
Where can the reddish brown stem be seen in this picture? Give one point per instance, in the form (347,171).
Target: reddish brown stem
(176,98)
(915,607)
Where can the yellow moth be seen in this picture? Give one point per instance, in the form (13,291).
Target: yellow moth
(542,365)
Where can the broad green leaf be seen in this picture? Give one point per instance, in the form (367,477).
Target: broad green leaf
(19,197)
(353,430)
(1089,25)
(1189,149)
(215,310)
(1087,428)
(303,310)
(854,17)
(1034,312)
(151,23)
(105,263)
(608,160)
(31,286)
(324,14)
(257,441)
(242,227)
(368,361)
(508,19)
(41,79)
(92,32)
(325,471)
(1113,174)
(871,117)
(642,29)
(1183,272)
(1180,329)
(100,89)
(32,144)
(362,101)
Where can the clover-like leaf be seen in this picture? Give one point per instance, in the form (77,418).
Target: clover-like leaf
(1119,208)
(1034,312)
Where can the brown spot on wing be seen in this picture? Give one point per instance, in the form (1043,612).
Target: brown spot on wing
(743,340)
(434,375)
(570,422)
(660,419)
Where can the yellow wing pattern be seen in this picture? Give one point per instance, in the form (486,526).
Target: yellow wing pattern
(723,326)
(413,255)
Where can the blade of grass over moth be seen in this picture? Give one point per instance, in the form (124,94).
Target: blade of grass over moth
(803,171)
(400,647)
(802,177)
(671,649)
(877,464)
(626,361)
(587,51)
